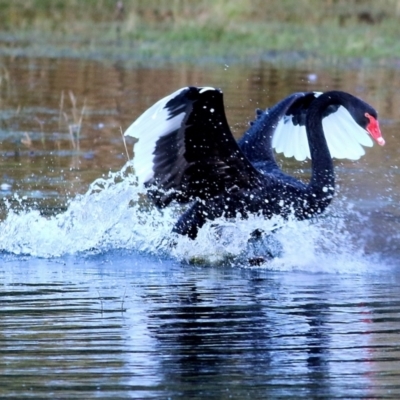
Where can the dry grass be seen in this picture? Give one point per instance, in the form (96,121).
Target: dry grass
(73,118)
(186,30)
(50,13)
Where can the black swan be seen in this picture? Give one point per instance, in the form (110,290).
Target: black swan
(187,153)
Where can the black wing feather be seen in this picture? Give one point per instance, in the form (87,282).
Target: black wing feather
(201,159)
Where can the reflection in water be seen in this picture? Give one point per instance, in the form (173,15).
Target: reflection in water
(220,344)
(110,326)
(208,341)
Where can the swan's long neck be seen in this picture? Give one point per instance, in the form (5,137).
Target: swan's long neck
(322,181)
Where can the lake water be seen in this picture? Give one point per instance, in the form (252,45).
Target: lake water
(97,300)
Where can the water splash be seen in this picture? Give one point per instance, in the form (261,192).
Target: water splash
(114,215)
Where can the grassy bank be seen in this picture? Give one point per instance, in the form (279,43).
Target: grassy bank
(203,30)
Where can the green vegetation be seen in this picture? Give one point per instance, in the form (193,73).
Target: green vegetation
(154,31)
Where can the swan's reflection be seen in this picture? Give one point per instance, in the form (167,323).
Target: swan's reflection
(243,333)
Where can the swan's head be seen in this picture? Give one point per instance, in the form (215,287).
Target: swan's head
(367,118)
(372,127)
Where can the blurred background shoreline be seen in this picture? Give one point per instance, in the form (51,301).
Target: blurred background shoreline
(156,32)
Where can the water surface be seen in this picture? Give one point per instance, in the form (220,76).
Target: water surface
(98,301)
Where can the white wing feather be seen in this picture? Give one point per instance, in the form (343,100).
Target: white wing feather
(344,137)
(291,140)
(148,128)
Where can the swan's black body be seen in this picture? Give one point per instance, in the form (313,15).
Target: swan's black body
(200,161)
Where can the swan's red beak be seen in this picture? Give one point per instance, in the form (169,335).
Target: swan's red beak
(374,130)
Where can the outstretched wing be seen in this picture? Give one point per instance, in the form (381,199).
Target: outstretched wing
(345,138)
(256,143)
(185,146)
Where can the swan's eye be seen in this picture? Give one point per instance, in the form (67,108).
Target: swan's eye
(374,130)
